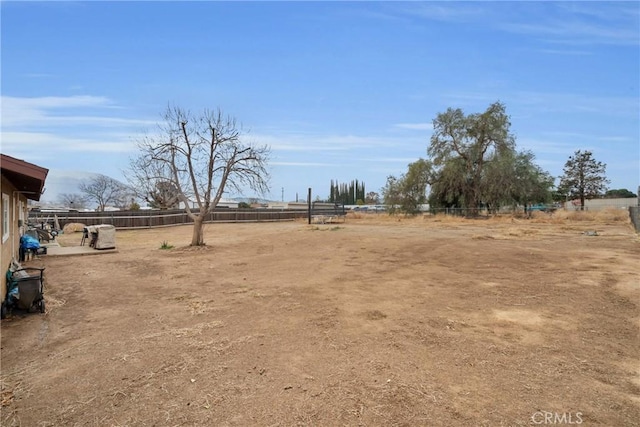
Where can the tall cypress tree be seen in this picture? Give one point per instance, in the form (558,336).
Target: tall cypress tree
(335,191)
(346,193)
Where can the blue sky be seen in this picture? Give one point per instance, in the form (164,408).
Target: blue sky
(339,90)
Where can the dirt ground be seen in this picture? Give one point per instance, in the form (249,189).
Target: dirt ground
(374,321)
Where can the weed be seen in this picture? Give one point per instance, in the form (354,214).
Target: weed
(165,245)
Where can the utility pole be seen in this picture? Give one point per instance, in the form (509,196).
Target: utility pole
(283,194)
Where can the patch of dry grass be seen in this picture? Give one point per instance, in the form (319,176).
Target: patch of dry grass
(73,227)
(613,215)
(570,219)
(605,216)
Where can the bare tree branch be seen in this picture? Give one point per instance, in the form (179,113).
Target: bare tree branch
(103,190)
(201,157)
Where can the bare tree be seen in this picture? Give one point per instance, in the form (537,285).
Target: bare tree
(372,198)
(73,200)
(202,156)
(103,190)
(164,196)
(152,181)
(125,198)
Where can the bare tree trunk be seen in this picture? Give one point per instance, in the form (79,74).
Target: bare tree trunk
(473,203)
(198,231)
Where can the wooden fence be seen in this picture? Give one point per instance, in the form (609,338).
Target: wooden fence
(156,218)
(152,219)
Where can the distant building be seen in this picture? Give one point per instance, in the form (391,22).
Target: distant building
(287,205)
(600,204)
(223,203)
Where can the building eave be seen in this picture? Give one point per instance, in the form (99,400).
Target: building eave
(27,178)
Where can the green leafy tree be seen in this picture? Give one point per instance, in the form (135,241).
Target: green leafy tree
(392,193)
(447,188)
(415,183)
(465,143)
(407,193)
(531,184)
(621,193)
(584,177)
(514,178)
(559,195)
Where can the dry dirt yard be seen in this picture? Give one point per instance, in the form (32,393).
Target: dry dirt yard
(377,321)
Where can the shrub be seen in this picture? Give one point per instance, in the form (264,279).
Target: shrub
(165,245)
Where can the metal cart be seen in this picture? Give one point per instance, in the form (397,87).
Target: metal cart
(25,290)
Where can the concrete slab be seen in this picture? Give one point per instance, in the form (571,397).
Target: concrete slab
(54,249)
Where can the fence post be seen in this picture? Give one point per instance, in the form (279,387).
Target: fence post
(309,205)
(634,213)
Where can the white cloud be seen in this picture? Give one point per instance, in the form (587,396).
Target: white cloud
(555,22)
(551,155)
(21,142)
(588,23)
(309,164)
(549,146)
(53,111)
(52,102)
(305,142)
(587,136)
(614,138)
(38,75)
(611,12)
(572,102)
(565,52)
(294,143)
(553,102)
(575,30)
(403,160)
(415,126)
(62,126)
(440,11)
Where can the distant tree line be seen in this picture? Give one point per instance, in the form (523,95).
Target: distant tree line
(474,164)
(102,191)
(621,193)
